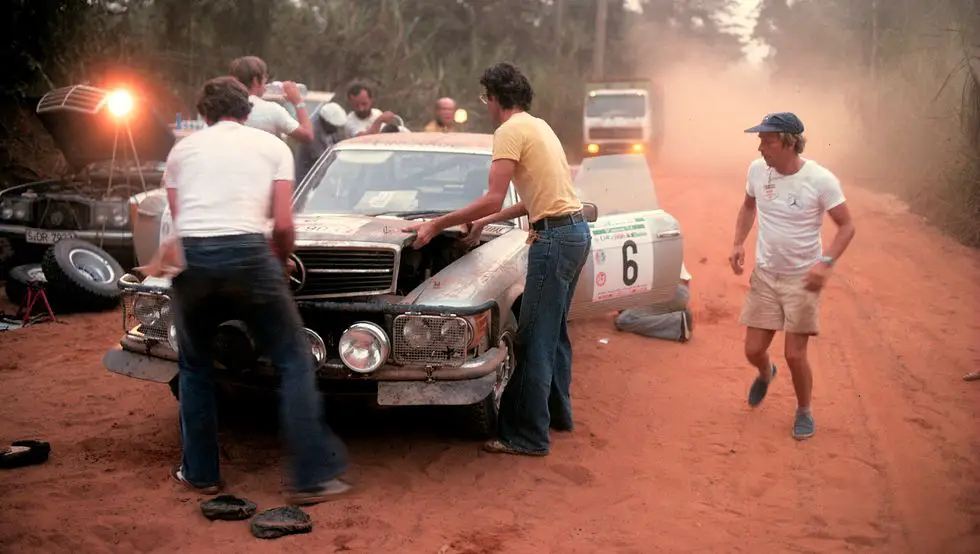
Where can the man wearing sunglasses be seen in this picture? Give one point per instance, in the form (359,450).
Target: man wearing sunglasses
(527,152)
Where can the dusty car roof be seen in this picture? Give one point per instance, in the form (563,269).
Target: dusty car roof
(473,142)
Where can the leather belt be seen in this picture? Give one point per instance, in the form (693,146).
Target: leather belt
(551,222)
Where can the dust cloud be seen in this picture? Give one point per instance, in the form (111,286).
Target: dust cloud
(708,106)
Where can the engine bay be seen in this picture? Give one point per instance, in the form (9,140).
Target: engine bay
(418,265)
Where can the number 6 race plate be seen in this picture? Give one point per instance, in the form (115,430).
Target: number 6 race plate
(622,255)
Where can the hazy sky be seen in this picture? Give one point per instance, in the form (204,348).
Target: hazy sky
(741,15)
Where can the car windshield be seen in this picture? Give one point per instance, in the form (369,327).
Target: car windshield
(615,105)
(394,182)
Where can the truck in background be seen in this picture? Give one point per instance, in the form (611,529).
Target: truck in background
(623,117)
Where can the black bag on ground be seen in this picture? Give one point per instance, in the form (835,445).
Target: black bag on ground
(278,522)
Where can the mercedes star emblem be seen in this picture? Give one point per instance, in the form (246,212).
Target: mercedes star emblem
(297,277)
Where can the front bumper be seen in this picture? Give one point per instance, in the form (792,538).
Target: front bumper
(107,238)
(397,385)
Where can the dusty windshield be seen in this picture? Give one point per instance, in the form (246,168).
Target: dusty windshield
(374,182)
(615,105)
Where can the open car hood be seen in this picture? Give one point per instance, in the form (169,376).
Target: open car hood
(85,131)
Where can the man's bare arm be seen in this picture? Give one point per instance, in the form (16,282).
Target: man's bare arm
(841,215)
(745,220)
(501,172)
(283,231)
(172,200)
(303,133)
(517,210)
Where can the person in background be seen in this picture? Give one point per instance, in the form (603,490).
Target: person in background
(252,72)
(326,133)
(223,184)
(790,195)
(527,151)
(444,114)
(364,118)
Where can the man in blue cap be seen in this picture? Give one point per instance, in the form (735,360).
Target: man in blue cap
(790,195)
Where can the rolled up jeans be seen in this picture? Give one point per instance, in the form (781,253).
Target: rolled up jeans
(237,277)
(539,392)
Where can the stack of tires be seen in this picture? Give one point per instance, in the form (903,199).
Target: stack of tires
(77,275)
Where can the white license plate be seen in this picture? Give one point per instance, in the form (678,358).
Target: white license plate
(41,236)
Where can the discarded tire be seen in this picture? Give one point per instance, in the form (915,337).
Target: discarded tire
(227,507)
(19,279)
(279,522)
(82,274)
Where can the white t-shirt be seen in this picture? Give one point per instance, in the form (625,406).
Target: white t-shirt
(223,176)
(270,117)
(791,210)
(357,125)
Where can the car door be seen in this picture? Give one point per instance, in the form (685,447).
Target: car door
(637,248)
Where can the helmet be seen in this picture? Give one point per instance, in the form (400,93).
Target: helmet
(332,113)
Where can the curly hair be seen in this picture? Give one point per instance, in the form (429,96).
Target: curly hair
(508,85)
(223,97)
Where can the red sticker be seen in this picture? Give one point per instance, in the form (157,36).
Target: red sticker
(600,279)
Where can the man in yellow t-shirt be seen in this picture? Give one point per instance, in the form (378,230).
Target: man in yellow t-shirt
(443,121)
(527,152)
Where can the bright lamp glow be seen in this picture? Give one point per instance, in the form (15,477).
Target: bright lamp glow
(460,116)
(120,103)
(593,149)
(638,148)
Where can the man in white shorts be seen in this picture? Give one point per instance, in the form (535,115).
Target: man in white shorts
(252,72)
(791,195)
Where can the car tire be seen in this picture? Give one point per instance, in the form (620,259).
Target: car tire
(18,281)
(84,273)
(479,421)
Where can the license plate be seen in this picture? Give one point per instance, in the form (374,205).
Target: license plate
(40,236)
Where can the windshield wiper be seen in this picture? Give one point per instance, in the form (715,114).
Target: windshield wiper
(413,214)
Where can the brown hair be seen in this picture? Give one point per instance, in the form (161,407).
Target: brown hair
(223,97)
(247,69)
(798,141)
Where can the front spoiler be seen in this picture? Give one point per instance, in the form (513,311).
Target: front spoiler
(469,383)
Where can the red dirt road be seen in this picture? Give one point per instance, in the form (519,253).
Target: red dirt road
(666,456)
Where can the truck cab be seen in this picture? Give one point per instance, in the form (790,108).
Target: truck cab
(622,117)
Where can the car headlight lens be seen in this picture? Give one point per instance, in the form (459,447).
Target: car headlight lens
(172,337)
(151,310)
(115,214)
(364,347)
(16,209)
(416,334)
(317,347)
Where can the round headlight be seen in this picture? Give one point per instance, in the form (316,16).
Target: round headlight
(151,310)
(172,337)
(453,329)
(364,347)
(317,347)
(417,334)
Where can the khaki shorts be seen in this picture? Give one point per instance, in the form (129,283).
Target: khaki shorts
(780,303)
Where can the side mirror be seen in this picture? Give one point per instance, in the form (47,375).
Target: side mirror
(591,211)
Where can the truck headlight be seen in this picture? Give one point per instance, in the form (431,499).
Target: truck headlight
(12,209)
(172,337)
(113,214)
(317,347)
(364,347)
(152,310)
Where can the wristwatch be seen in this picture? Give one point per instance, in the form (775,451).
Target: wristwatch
(827,260)
(299,105)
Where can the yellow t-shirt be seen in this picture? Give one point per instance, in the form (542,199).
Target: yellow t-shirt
(434,127)
(542,176)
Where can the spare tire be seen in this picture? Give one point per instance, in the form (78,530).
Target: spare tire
(19,279)
(83,274)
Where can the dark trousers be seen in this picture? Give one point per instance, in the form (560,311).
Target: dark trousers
(238,277)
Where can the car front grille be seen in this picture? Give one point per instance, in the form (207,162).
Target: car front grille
(61,214)
(345,271)
(624,133)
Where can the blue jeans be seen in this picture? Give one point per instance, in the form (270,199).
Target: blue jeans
(539,392)
(237,277)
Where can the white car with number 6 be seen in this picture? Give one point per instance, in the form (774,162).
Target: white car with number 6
(429,326)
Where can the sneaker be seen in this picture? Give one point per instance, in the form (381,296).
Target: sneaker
(757,393)
(177,474)
(327,491)
(803,427)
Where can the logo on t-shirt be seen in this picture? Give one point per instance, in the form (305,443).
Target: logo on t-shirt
(794,201)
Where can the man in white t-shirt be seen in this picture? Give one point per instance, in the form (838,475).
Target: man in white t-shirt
(252,72)
(364,118)
(223,183)
(790,195)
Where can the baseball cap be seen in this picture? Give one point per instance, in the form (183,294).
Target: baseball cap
(332,113)
(780,122)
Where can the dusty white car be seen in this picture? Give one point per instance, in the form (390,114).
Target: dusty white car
(433,326)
